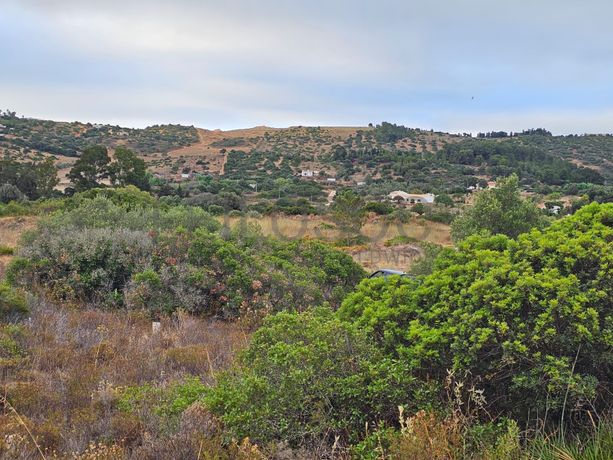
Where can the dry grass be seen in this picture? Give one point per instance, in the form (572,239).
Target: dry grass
(11,229)
(372,255)
(377,230)
(72,364)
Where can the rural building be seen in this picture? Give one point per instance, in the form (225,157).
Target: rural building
(331,179)
(308,173)
(412,198)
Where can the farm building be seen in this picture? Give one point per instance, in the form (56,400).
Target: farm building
(403,197)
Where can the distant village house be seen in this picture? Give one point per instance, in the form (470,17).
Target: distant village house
(411,198)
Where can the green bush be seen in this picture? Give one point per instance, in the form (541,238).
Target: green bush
(87,264)
(12,302)
(501,210)
(128,197)
(379,207)
(308,377)
(529,321)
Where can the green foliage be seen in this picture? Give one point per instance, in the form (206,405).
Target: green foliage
(11,350)
(91,168)
(12,302)
(306,377)
(596,444)
(112,247)
(348,212)
(87,264)
(129,197)
(501,210)
(506,158)
(33,180)
(379,207)
(167,402)
(8,193)
(444,199)
(390,133)
(128,169)
(419,208)
(528,321)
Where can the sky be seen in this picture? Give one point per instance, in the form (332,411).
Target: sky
(449,65)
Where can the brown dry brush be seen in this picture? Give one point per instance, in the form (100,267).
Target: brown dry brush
(64,369)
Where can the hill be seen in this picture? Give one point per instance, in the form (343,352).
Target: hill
(387,156)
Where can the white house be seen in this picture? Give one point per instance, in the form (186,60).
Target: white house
(308,173)
(412,198)
(331,179)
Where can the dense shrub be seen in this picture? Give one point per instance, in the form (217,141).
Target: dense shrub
(379,207)
(498,211)
(307,377)
(108,249)
(88,264)
(101,211)
(529,321)
(8,192)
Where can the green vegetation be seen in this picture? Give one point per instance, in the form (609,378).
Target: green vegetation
(307,377)
(32,180)
(94,165)
(31,137)
(116,248)
(498,211)
(154,331)
(516,328)
(12,302)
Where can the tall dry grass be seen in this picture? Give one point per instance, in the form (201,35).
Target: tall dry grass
(69,366)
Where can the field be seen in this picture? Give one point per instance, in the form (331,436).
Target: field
(372,255)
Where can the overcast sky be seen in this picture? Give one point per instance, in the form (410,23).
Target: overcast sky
(452,65)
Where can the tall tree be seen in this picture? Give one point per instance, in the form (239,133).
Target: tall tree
(91,168)
(128,169)
(46,177)
(348,213)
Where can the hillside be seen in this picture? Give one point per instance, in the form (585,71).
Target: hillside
(382,158)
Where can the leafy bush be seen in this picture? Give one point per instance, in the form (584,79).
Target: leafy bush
(101,211)
(379,207)
(308,377)
(529,321)
(8,192)
(129,197)
(87,264)
(498,211)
